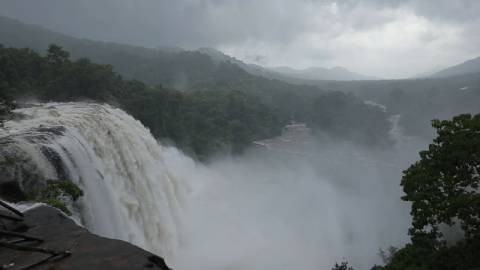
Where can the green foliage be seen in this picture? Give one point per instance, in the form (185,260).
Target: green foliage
(228,110)
(56,203)
(342,266)
(68,188)
(229,115)
(388,254)
(415,256)
(55,193)
(190,71)
(443,185)
(56,56)
(201,123)
(345,116)
(5,110)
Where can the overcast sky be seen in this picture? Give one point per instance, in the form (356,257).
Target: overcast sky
(388,39)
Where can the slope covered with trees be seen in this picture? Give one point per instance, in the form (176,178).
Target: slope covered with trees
(443,187)
(220,119)
(192,71)
(201,123)
(418,101)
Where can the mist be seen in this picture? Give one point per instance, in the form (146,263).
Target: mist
(303,205)
(301,200)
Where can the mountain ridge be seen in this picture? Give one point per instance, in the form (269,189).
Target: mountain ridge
(467,67)
(287,73)
(337,73)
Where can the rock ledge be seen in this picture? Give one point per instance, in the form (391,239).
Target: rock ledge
(87,251)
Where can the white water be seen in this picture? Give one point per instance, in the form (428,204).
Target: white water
(260,211)
(132,190)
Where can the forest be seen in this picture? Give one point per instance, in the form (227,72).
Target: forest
(204,122)
(201,123)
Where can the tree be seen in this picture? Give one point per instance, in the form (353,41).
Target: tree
(342,266)
(443,185)
(56,55)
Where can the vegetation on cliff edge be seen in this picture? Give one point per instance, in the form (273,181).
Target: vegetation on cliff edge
(443,187)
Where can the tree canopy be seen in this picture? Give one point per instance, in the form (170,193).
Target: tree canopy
(443,187)
(201,123)
(443,184)
(224,114)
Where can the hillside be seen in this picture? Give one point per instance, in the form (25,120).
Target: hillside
(288,74)
(290,98)
(200,122)
(418,101)
(319,73)
(219,57)
(196,71)
(467,67)
(171,67)
(179,69)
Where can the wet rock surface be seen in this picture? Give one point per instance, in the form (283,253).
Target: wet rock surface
(83,249)
(20,174)
(5,111)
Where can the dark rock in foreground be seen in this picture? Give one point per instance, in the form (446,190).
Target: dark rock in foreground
(88,251)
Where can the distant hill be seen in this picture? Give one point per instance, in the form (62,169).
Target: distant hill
(171,67)
(289,74)
(14,33)
(418,101)
(467,67)
(344,116)
(220,57)
(319,74)
(426,74)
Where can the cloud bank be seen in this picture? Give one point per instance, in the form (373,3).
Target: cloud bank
(389,39)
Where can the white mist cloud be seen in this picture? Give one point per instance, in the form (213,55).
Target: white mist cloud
(274,210)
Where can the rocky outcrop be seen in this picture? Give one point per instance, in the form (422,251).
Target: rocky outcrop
(20,173)
(5,111)
(76,246)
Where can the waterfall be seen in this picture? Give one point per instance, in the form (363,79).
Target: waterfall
(263,210)
(132,190)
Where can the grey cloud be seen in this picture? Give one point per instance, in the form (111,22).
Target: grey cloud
(297,33)
(461,11)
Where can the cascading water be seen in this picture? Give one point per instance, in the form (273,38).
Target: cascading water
(266,210)
(132,191)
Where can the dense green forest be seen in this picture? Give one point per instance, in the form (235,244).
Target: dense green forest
(191,71)
(443,189)
(219,119)
(201,123)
